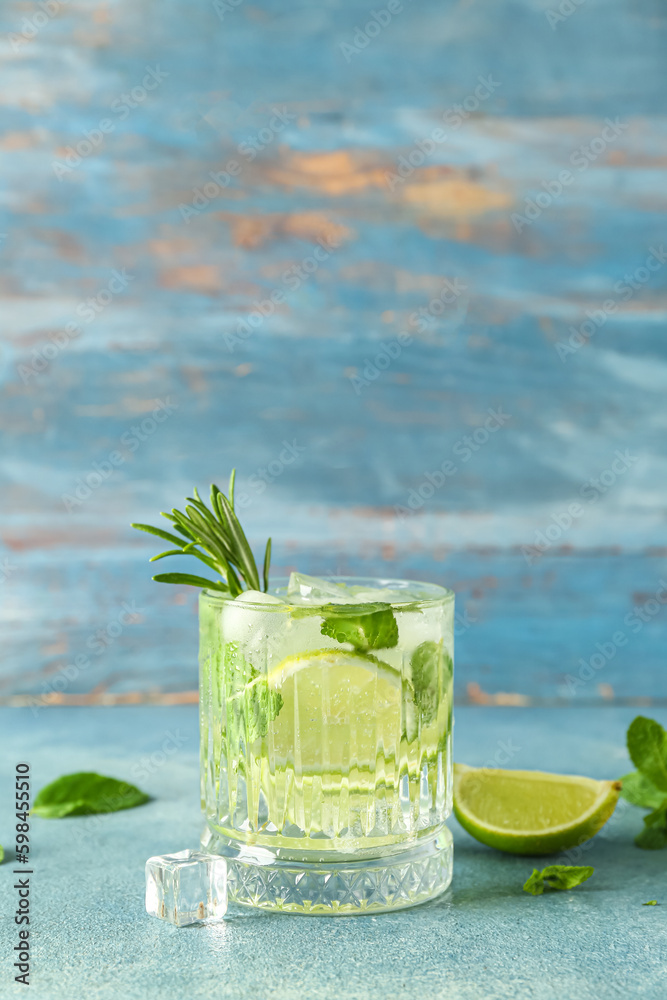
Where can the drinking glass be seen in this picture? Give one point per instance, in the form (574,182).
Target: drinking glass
(326,754)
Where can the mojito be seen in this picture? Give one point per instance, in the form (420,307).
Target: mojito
(326,717)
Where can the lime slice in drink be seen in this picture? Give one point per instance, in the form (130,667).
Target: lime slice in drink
(338,711)
(531,812)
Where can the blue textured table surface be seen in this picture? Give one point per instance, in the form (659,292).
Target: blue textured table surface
(484,938)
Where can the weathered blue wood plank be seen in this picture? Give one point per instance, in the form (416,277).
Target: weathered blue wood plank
(551,631)
(464,244)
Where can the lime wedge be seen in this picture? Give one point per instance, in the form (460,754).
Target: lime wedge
(337,709)
(531,812)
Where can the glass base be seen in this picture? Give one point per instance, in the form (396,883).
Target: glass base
(256,877)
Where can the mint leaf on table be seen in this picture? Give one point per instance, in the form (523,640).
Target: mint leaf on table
(251,705)
(640,791)
(647,746)
(85,793)
(651,902)
(654,835)
(365,626)
(557,877)
(2,854)
(426,665)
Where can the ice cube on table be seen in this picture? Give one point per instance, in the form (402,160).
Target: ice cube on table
(315,590)
(189,887)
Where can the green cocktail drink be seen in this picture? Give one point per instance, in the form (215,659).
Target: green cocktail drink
(326,710)
(326,723)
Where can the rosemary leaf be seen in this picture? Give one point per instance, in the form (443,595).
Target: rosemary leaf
(267,563)
(232,480)
(234,582)
(203,511)
(168,537)
(220,511)
(214,536)
(247,565)
(170,552)
(191,581)
(191,550)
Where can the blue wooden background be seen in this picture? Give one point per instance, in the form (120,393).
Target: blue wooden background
(318,122)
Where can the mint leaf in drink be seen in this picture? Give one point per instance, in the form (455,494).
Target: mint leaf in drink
(639,791)
(365,626)
(251,705)
(651,902)
(427,665)
(557,877)
(237,671)
(2,854)
(85,793)
(262,705)
(647,746)
(654,835)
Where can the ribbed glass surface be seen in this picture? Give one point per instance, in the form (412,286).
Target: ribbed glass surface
(308,744)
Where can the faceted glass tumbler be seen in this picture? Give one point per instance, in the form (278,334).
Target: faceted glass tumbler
(326,762)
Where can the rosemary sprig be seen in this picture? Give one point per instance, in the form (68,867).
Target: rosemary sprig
(214,536)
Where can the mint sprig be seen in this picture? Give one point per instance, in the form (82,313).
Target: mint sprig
(557,877)
(647,786)
(639,791)
(365,626)
(214,536)
(654,835)
(647,746)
